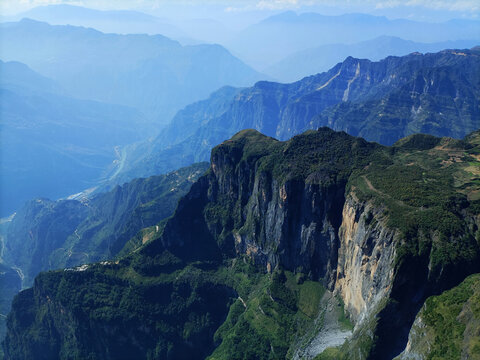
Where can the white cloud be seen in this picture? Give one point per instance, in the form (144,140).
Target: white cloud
(458,5)
(449,5)
(354,5)
(9,7)
(469,6)
(277,4)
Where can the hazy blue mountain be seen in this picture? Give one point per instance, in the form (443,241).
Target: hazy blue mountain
(319,59)
(189,136)
(206,29)
(152,73)
(54,145)
(109,21)
(15,75)
(382,101)
(279,36)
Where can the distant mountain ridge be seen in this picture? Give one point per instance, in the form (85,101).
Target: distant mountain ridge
(381,101)
(154,74)
(109,21)
(319,59)
(273,39)
(55,145)
(16,75)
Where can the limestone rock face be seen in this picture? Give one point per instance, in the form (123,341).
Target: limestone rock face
(365,258)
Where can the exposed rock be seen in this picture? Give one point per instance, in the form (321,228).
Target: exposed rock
(366,258)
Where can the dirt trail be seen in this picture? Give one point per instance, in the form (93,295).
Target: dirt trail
(373,188)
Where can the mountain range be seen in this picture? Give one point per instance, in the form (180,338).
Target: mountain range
(278,244)
(151,73)
(319,59)
(435,93)
(276,37)
(338,216)
(46,234)
(107,21)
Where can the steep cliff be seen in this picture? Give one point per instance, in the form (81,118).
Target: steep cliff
(382,228)
(381,101)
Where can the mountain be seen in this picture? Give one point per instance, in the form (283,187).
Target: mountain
(52,144)
(281,248)
(107,21)
(281,35)
(319,59)
(10,285)
(47,234)
(18,76)
(154,74)
(188,137)
(381,101)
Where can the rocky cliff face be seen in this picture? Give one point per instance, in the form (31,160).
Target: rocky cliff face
(317,226)
(314,225)
(366,257)
(380,101)
(286,216)
(292,224)
(381,227)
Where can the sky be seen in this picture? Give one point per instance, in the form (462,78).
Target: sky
(429,10)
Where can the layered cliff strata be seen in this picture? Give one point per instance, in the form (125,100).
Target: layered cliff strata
(382,228)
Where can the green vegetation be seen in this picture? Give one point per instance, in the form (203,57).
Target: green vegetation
(330,354)
(451,324)
(329,155)
(10,285)
(49,235)
(264,324)
(179,311)
(343,320)
(427,188)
